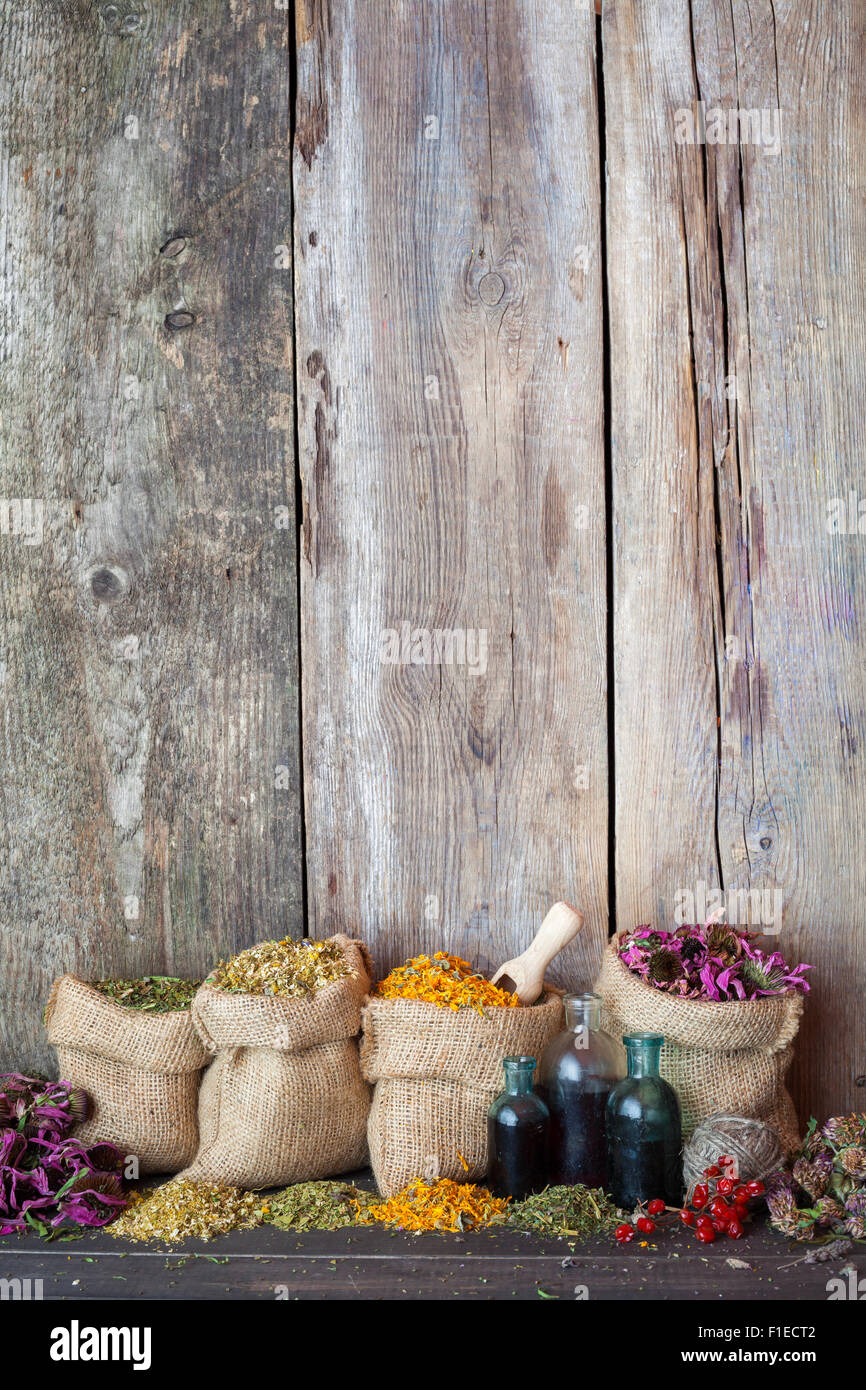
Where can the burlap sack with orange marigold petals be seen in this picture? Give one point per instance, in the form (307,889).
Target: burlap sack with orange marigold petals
(436,1072)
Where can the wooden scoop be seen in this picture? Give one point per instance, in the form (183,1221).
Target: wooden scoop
(525,975)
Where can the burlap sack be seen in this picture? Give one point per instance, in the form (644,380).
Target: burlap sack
(730,1056)
(436,1072)
(284,1100)
(141,1071)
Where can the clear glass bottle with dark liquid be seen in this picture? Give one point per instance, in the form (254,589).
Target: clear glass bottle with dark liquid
(517,1133)
(576,1074)
(644,1129)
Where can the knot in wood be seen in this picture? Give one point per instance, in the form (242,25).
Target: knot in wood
(173,246)
(491,288)
(108,583)
(181,318)
(120,19)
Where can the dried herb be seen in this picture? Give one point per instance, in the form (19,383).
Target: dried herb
(182,1210)
(318,1206)
(444,980)
(577,1211)
(285,968)
(49,1183)
(833,1250)
(33,1106)
(825,1192)
(438,1206)
(155,994)
(716,961)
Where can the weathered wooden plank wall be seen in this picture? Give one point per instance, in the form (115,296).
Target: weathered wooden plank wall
(737,305)
(149,640)
(448,293)
(447,384)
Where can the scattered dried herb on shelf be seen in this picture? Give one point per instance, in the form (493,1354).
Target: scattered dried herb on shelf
(444,980)
(438,1206)
(183,1210)
(824,1195)
(577,1211)
(30,1105)
(284,968)
(49,1183)
(318,1206)
(155,994)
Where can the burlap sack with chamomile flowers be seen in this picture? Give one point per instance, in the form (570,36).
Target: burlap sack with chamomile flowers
(283,1101)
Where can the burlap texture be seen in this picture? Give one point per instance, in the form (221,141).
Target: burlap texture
(260,1020)
(268,1117)
(284,1100)
(436,1072)
(141,1071)
(730,1056)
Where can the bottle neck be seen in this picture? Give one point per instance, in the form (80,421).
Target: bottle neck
(643,1054)
(519,1074)
(583,1013)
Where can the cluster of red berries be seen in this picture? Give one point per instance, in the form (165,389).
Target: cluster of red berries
(719,1205)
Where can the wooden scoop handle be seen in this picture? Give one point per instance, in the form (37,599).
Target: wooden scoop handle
(560,926)
(526,973)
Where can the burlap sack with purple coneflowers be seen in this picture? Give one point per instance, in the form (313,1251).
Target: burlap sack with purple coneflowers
(731,1056)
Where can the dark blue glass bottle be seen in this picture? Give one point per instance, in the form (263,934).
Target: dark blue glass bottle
(517,1133)
(644,1129)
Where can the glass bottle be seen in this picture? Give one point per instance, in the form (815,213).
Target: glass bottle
(644,1129)
(517,1129)
(576,1074)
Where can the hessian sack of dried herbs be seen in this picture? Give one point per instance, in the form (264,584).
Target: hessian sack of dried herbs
(727,1056)
(141,1071)
(436,1071)
(283,1100)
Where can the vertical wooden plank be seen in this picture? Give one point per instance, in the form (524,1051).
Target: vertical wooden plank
(795,218)
(148,634)
(755,233)
(665,603)
(448,296)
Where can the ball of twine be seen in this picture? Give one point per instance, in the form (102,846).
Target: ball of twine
(756,1148)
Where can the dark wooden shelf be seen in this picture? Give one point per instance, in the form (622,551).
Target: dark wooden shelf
(374,1264)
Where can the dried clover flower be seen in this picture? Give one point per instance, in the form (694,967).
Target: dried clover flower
(853,1161)
(813,1175)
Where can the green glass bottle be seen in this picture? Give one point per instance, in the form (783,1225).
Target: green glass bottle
(644,1129)
(517,1131)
